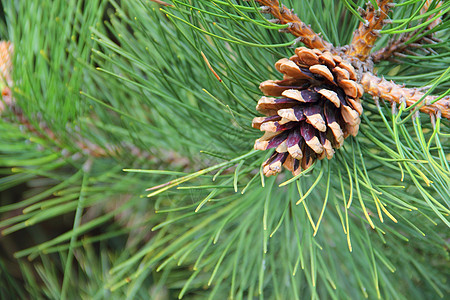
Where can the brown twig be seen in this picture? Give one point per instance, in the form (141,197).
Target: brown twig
(395,45)
(367,33)
(392,92)
(296,26)
(398,45)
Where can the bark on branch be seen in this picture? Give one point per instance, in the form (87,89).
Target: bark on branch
(367,33)
(296,26)
(392,92)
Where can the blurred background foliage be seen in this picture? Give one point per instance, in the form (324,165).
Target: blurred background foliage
(114,97)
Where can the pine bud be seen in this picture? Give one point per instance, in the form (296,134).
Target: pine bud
(6,52)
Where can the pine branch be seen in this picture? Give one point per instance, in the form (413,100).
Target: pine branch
(84,146)
(392,92)
(397,45)
(296,26)
(160,74)
(367,33)
(87,148)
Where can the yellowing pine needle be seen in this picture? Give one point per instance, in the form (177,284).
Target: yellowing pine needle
(387,213)
(324,202)
(209,66)
(377,201)
(316,182)
(306,210)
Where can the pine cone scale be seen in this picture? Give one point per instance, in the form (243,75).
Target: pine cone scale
(293,114)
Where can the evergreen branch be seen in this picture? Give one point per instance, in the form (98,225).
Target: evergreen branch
(397,46)
(170,184)
(296,26)
(84,146)
(8,101)
(89,149)
(155,76)
(44,132)
(403,43)
(392,92)
(367,33)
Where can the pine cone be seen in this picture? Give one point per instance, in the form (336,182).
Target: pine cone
(318,108)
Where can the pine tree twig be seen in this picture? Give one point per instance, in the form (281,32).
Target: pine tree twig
(397,45)
(8,101)
(367,33)
(296,26)
(392,92)
(89,149)
(85,147)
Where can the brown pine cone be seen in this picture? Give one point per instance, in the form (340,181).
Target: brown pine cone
(318,106)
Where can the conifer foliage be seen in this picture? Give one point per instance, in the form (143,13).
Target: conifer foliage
(130,168)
